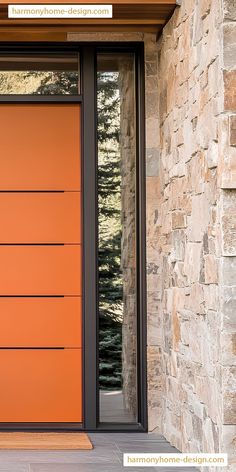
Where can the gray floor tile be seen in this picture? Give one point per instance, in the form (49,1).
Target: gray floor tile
(133,436)
(85,468)
(146,448)
(175,469)
(107,455)
(97,455)
(13,467)
(56,467)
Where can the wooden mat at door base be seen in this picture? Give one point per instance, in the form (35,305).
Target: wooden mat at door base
(53,441)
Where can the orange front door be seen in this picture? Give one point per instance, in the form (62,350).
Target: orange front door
(40,263)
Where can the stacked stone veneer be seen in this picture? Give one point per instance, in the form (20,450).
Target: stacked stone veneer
(191,227)
(191,224)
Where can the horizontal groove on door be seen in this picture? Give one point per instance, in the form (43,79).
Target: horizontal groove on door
(36,191)
(34,142)
(40,270)
(34,218)
(32,348)
(40,322)
(36,244)
(40,385)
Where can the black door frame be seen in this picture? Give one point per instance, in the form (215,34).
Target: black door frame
(88,53)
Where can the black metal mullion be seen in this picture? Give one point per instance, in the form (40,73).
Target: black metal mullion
(90,232)
(141,241)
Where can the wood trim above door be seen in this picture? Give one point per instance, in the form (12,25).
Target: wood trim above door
(134,15)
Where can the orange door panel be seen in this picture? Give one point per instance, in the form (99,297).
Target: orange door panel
(41,385)
(40,147)
(40,270)
(40,263)
(40,322)
(40,217)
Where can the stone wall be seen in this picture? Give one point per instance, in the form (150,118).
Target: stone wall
(191,240)
(227,182)
(191,224)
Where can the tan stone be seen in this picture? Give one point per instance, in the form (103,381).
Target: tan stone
(192,261)
(230,408)
(154,332)
(229,45)
(229,223)
(230,9)
(178,245)
(228,307)
(190,224)
(152,132)
(229,441)
(212,155)
(228,346)
(105,36)
(228,271)
(199,218)
(230,90)
(211,269)
(211,296)
(178,220)
(207,391)
(205,8)
(232,130)
(195,299)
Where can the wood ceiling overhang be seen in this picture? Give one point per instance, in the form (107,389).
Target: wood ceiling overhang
(128,16)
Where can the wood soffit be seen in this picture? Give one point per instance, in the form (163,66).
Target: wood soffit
(128,16)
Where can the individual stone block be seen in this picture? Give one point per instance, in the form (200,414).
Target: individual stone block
(211,436)
(229,223)
(192,262)
(230,9)
(211,296)
(152,162)
(232,126)
(212,155)
(211,269)
(195,299)
(229,398)
(228,271)
(208,392)
(178,240)
(228,346)
(229,442)
(178,219)
(228,307)
(229,45)
(230,90)
(200,216)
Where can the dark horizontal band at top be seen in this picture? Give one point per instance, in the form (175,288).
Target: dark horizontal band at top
(40,99)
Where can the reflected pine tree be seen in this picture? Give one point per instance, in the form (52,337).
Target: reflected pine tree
(109,201)
(39,83)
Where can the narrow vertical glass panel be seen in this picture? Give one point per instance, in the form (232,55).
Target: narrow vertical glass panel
(117,238)
(41,74)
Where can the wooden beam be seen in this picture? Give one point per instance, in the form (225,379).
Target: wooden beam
(79,22)
(128,16)
(100,2)
(60,34)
